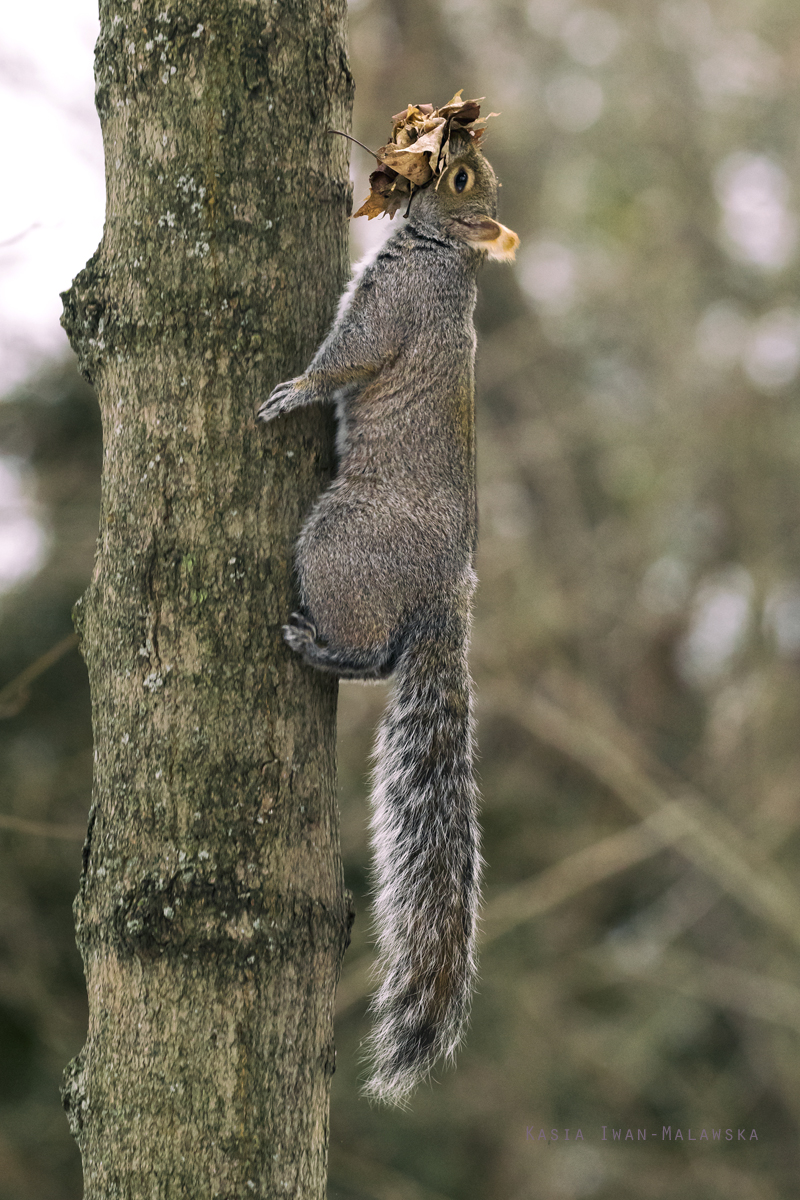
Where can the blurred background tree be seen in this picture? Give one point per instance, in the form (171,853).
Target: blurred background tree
(637,641)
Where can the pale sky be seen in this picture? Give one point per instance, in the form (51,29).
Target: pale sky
(51,219)
(52,204)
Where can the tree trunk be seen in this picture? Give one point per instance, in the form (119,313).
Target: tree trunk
(212,915)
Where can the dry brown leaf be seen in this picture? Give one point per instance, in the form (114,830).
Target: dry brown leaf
(430,139)
(407,161)
(373,206)
(418,151)
(388,193)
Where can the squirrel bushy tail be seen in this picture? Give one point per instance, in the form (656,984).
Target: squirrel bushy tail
(427,861)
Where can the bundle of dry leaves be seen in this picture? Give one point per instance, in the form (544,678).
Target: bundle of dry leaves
(418,151)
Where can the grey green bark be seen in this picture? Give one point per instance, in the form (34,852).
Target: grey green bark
(212,915)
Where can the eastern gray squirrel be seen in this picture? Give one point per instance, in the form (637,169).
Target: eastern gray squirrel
(385,569)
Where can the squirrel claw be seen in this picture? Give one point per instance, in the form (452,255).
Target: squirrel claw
(298,621)
(299,632)
(267,411)
(276,402)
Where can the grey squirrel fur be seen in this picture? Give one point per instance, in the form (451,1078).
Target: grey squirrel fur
(385,568)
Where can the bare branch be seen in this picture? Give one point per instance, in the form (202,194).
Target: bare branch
(67,833)
(14,696)
(701,833)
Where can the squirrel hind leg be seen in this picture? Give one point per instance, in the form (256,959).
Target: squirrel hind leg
(348,663)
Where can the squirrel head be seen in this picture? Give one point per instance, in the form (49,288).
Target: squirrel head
(433,160)
(462,202)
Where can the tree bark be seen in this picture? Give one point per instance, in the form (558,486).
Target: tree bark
(212,915)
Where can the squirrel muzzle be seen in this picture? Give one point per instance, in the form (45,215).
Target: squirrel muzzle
(484,233)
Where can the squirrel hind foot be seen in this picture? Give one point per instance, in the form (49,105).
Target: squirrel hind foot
(302,626)
(301,636)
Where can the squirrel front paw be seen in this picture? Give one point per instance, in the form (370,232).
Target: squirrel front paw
(294,393)
(281,399)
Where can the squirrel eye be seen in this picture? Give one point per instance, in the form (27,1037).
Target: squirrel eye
(461,180)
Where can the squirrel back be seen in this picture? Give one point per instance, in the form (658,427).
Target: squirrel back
(385,570)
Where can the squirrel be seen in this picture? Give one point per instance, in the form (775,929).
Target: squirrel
(385,569)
